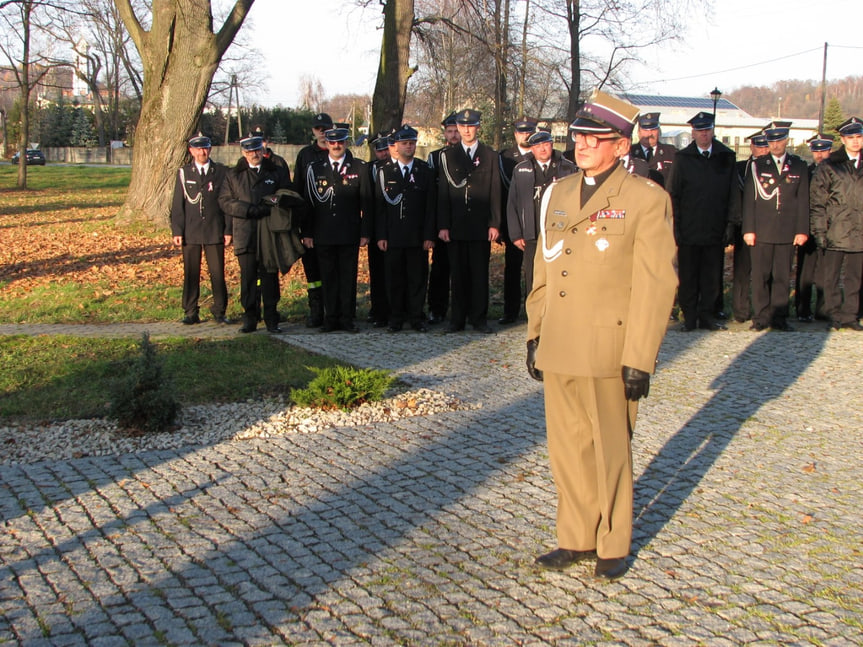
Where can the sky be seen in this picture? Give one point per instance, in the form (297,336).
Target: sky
(746,42)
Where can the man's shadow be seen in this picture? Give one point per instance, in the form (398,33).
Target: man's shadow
(741,390)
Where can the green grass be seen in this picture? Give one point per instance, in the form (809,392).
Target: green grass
(71,177)
(62,377)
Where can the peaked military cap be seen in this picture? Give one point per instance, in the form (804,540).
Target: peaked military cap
(381,141)
(820,142)
(540,137)
(525,125)
(776,133)
(336,134)
(199,141)
(649,121)
(468,117)
(851,126)
(322,120)
(758,139)
(341,124)
(258,132)
(449,120)
(405,134)
(702,121)
(252,144)
(604,113)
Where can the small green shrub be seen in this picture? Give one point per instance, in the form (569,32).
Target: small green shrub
(143,400)
(342,387)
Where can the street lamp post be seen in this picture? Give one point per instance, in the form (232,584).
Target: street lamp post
(715,95)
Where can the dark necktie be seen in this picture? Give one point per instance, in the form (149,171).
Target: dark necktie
(335,168)
(405,172)
(706,154)
(648,154)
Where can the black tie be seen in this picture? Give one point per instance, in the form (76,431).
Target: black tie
(648,154)
(335,168)
(706,154)
(405,171)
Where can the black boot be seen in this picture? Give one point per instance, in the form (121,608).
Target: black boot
(316,309)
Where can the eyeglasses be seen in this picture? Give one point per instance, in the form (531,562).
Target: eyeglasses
(592,141)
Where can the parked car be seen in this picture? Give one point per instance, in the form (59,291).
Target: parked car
(34,156)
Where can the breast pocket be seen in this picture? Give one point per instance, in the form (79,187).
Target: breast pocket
(607,242)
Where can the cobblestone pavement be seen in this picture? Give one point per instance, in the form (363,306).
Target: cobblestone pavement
(423,532)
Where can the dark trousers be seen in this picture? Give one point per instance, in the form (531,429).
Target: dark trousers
(251,275)
(529,254)
(771,280)
(338,265)
(311,268)
(806,280)
(842,311)
(215,255)
(468,261)
(700,270)
(740,302)
(407,274)
(512,260)
(379,308)
(439,280)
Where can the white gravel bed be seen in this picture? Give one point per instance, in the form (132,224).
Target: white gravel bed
(206,425)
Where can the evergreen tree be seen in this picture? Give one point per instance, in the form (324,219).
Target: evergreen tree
(82,129)
(833,116)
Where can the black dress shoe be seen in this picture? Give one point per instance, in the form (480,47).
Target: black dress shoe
(247,328)
(351,327)
(191,320)
(720,315)
(222,320)
(419,327)
(328,327)
(394,328)
(435,319)
(854,325)
(686,327)
(507,319)
(741,319)
(453,328)
(834,325)
(713,325)
(805,318)
(757,327)
(610,569)
(380,324)
(275,330)
(561,558)
(485,329)
(782,326)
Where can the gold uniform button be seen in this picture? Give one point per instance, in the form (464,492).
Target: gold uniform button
(568,251)
(562,293)
(564,273)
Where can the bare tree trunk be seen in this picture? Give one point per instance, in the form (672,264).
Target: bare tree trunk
(524,59)
(388,103)
(573,10)
(180,54)
(24,131)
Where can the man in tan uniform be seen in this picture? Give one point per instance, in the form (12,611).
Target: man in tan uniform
(603,289)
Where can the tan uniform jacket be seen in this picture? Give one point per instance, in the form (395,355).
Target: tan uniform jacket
(604,281)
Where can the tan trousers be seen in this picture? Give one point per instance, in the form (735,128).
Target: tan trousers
(591,461)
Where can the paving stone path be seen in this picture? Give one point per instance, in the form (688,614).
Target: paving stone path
(748,472)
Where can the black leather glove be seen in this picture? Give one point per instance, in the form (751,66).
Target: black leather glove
(532,370)
(636,384)
(257,211)
(821,242)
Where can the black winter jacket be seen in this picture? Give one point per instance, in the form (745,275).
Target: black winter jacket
(836,204)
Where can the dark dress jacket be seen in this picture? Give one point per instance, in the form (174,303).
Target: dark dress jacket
(243,188)
(339,209)
(836,204)
(405,209)
(705,195)
(776,204)
(525,193)
(662,161)
(469,193)
(195,211)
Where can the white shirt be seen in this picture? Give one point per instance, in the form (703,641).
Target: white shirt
(471,150)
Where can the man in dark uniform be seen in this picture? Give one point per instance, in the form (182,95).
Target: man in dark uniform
(513,255)
(836,220)
(405,195)
(338,192)
(706,199)
(775,219)
(275,158)
(199,227)
(469,213)
(807,280)
(316,150)
(379,310)
(245,198)
(603,287)
(742,272)
(438,290)
(529,180)
(659,156)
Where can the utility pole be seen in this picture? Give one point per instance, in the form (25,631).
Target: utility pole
(823,91)
(232,89)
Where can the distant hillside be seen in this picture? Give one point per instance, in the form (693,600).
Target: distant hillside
(801,99)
